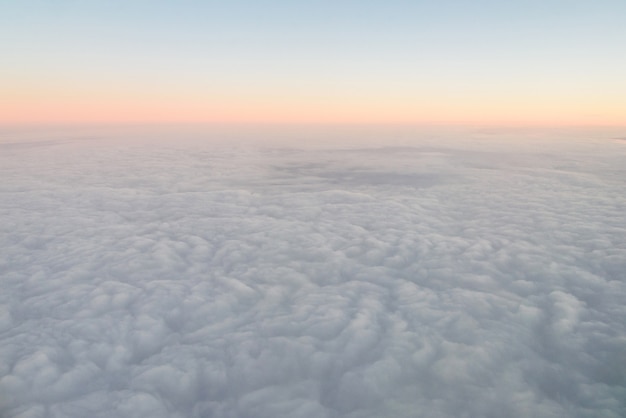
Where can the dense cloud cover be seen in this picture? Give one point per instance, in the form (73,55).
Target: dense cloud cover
(438,277)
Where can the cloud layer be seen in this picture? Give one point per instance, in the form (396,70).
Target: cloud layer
(446,278)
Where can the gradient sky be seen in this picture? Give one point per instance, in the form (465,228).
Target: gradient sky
(393,61)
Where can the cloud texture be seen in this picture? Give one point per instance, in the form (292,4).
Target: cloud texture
(447,278)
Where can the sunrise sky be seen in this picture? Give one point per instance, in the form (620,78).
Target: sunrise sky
(487,62)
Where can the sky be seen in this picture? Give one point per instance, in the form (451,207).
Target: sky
(443,62)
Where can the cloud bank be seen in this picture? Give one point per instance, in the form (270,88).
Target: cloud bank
(440,278)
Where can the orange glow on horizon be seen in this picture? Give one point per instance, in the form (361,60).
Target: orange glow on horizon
(81,110)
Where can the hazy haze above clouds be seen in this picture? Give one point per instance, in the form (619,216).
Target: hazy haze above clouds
(311,274)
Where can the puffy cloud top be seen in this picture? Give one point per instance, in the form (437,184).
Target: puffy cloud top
(444,278)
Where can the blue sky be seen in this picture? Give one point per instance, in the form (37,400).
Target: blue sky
(250,55)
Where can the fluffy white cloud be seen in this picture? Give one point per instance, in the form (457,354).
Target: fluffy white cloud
(443,277)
